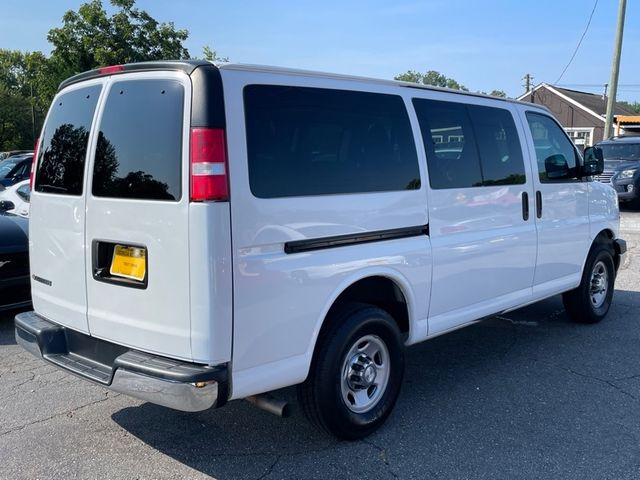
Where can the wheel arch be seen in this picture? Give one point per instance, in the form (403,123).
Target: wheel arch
(384,288)
(583,304)
(604,236)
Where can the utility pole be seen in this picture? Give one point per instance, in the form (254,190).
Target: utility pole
(615,69)
(33,116)
(527,82)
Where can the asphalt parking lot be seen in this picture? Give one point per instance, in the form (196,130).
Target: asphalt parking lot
(524,395)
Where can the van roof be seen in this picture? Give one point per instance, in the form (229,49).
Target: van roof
(188,66)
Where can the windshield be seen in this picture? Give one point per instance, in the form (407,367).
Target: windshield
(628,151)
(7,165)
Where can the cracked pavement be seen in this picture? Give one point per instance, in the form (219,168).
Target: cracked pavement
(526,394)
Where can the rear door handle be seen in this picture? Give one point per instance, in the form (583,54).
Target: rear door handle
(525,206)
(538,204)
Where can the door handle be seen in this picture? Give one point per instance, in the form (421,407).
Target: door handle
(539,204)
(525,206)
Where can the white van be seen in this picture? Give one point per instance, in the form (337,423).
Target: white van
(201,234)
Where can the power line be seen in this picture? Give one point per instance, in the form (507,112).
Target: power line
(594,85)
(579,42)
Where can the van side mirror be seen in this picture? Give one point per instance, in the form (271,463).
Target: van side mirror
(6,205)
(556,167)
(593,162)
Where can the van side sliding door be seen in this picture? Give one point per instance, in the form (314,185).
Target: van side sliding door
(481,227)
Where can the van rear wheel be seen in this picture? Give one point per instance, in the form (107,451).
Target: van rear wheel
(590,301)
(356,373)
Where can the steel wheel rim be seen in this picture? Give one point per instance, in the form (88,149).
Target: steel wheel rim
(599,284)
(365,373)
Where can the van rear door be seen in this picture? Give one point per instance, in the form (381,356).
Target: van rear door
(137,222)
(57,243)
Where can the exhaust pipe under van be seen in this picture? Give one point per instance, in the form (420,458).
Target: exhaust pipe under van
(271,404)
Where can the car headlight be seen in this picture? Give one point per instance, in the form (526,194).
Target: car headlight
(627,173)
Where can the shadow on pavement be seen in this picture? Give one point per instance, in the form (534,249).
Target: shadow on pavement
(507,392)
(7,336)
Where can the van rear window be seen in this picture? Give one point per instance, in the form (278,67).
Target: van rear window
(139,150)
(63,146)
(314,141)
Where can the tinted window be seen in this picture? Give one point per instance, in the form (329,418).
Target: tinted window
(139,150)
(552,145)
(621,151)
(64,142)
(498,145)
(7,166)
(452,155)
(24,192)
(312,141)
(469,145)
(21,170)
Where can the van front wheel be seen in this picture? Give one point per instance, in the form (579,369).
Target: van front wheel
(590,302)
(355,377)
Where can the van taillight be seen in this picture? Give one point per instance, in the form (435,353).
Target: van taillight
(209,179)
(33,163)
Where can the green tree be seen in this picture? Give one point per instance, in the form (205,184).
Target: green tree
(11,68)
(90,38)
(210,54)
(87,39)
(634,107)
(28,73)
(431,77)
(495,93)
(15,120)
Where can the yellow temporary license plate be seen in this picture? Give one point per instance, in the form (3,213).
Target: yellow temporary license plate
(129,262)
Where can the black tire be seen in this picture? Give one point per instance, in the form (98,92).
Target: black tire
(590,301)
(325,393)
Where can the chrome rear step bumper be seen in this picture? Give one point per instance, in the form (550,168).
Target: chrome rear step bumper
(172,383)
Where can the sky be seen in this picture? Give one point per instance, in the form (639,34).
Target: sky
(484,45)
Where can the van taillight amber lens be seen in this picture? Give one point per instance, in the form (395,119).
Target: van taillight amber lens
(209,176)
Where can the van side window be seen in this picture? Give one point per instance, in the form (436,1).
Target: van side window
(452,155)
(553,148)
(469,145)
(63,146)
(499,146)
(139,150)
(315,141)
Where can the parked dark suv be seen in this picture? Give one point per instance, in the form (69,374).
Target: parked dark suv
(622,167)
(15,291)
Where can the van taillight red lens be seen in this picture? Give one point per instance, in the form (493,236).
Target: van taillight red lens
(209,178)
(33,163)
(111,69)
